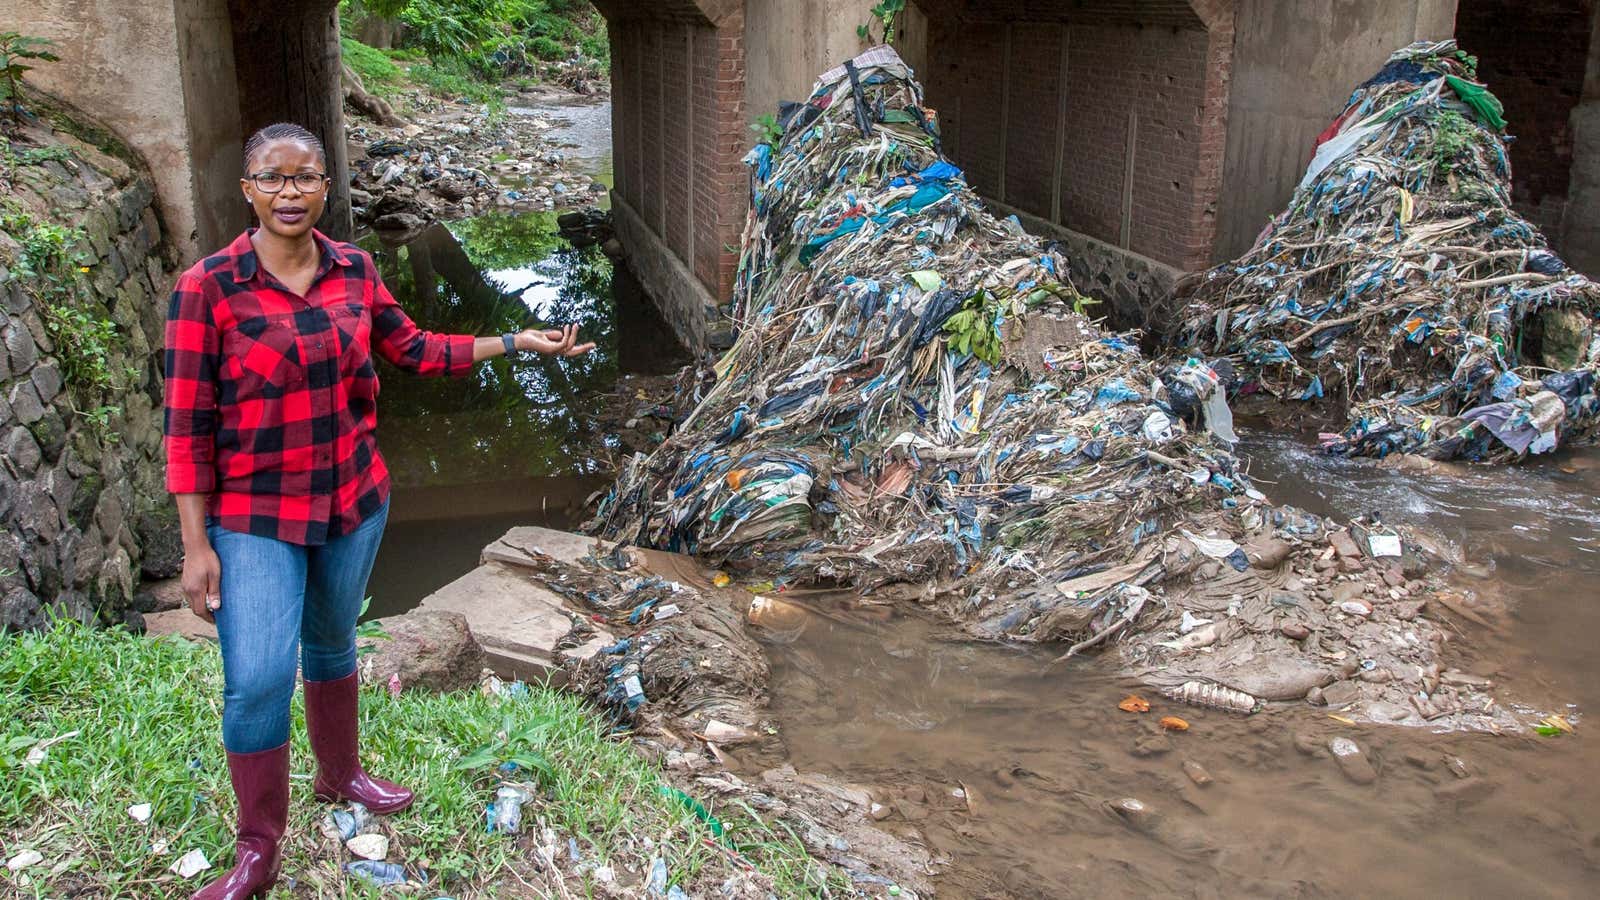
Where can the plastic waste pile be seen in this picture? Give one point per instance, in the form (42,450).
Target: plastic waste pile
(915,396)
(1400,285)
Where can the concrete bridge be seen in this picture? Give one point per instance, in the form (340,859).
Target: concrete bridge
(1153,136)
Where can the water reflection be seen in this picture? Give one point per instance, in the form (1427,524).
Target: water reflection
(509,418)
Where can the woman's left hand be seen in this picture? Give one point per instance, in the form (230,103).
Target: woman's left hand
(555,342)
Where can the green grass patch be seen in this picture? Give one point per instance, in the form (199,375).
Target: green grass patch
(455,79)
(376,70)
(138,721)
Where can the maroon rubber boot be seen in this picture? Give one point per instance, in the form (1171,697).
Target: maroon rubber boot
(331,724)
(261,784)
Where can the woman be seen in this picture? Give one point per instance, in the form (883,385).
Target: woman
(281,491)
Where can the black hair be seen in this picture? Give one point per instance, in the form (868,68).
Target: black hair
(283,131)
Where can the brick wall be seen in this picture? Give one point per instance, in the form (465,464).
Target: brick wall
(1136,161)
(1532,55)
(679,134)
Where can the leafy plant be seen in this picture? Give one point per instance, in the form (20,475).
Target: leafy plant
(883,16)
(86,341)
(971,328)
(1455,135)
(369,630)
(14,48)
(513,742)
(767,130)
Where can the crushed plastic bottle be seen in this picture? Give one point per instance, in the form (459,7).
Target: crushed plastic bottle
(508,802)
(375,872)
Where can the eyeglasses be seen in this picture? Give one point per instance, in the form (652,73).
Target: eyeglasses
(273,182)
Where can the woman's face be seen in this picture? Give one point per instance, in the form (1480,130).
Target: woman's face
(293,209)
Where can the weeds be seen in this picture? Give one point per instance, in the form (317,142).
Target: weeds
(144,718)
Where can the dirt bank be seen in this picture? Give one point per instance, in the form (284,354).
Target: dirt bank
(450,159)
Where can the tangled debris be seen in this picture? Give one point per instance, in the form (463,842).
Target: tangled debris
(915,406)
(456,160)
(1401,286)
(689,682)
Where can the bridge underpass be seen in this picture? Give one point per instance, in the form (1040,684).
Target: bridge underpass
(1153,137)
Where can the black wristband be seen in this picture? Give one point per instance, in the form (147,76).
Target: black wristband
(510,340)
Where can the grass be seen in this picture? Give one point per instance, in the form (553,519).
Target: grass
(146,717)
(378,72)
(455,79)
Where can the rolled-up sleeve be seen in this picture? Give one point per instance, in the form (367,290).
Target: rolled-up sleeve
(193,349)
(408,347)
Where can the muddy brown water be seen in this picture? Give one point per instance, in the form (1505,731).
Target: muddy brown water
(906,708)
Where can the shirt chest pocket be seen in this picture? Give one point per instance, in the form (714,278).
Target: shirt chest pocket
(353,323)
(267,355)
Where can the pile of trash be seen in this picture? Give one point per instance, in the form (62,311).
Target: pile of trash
(915,396)
(915,406)
(1400,286)
(457,161)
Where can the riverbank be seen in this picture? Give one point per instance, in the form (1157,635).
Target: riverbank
(114,773)
(434,147)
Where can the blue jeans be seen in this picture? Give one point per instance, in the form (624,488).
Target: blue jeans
(284,604)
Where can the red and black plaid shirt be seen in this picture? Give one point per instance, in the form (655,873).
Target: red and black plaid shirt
(271,398)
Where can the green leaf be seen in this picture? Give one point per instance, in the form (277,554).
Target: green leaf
(861,32)
(1547,730)
(478,759)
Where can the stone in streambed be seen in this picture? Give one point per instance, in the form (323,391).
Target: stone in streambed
(1352,762)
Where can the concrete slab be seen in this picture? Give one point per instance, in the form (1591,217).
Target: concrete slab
(515,546)
(516,619)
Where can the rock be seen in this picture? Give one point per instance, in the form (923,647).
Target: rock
(1348,590)
(358,197)
(159,596)
(406,222)
(1340,693)
(1351,565)
(1324,565)
(20,450)
(1409,610)
(1352,762)
(1356,608)
(368,846)
(160,538)
(20,611)
(25,403)
(1294,631)
(1344,545)
(1196,772)
(20,347)
(426,649)
(1393,577)
(47,381)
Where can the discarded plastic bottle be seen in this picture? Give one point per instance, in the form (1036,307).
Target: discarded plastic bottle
(350,822)
(508,809)
(375,872)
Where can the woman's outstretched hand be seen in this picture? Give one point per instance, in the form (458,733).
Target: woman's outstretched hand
(554,342)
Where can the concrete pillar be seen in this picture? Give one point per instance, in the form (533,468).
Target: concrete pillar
(287,64)
(1580,233)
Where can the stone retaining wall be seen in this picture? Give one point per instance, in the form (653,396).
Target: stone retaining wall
(82,503)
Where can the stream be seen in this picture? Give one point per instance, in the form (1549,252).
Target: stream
(1019,778)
